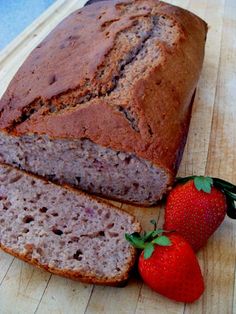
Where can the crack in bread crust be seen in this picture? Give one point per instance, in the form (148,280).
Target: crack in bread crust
(143,28)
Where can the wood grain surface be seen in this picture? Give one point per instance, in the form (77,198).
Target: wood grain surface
(211,150)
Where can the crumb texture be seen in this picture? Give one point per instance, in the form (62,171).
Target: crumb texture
(87,166)
(64,230)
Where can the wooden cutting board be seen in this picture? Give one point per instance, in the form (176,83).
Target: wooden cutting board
(210,150)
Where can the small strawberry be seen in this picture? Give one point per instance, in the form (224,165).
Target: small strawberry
(196,207)
(168,265)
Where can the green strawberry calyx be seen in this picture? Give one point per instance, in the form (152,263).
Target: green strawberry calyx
(205,184)
(147,240)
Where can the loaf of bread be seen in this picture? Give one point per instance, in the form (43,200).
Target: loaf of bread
(63,230)
(104,102)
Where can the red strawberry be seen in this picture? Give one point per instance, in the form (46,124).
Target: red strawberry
(196,208)
(168,265)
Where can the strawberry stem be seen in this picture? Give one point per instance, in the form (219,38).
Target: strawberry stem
(147,240)
(154,223)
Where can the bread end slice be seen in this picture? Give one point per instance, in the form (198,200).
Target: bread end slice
(64,231)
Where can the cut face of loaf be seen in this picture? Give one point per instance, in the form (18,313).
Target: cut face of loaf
(64,231)
(114,81)
(87,166)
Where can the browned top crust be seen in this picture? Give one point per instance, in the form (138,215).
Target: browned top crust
(119,73)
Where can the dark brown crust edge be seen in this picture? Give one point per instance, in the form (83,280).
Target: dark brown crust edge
(87,278)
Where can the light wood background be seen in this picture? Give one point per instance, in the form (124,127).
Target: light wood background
(211,150)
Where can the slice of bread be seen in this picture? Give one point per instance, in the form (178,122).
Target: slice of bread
(63,230)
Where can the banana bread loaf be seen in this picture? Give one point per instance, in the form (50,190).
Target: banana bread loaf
(63,230)
(104,102)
